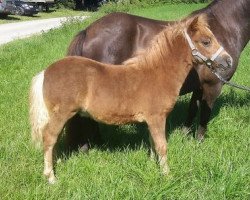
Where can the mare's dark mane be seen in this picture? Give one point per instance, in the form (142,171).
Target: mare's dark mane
(232,19)
(232,5)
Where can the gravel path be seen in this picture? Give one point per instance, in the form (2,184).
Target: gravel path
(12,31)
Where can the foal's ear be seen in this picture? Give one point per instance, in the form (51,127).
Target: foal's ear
(192,28)
(195,23)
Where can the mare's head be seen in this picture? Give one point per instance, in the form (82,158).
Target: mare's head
(205,47)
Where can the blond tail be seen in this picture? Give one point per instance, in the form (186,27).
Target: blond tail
(39,116)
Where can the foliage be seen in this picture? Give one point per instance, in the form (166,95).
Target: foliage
(65,3)
(126,5)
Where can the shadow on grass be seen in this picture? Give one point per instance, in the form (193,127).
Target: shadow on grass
(17,18)
(50,11)
(117,138)
(32,16)
(230,99)
(10,18)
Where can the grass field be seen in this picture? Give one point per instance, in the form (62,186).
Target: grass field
(218,168)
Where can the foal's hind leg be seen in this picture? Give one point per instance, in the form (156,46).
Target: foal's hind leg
(50,136)
(158,141)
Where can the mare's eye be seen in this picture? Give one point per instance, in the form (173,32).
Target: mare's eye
(206,43)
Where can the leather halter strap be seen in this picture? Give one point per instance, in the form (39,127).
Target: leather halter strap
(195,52)
(209,62)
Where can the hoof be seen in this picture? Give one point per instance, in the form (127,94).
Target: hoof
(201,134)
(50,176)
(52,180)
(84,148)
(165,170)
(186,130)
(200,138)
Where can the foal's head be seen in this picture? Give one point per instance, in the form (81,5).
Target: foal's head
(205,47)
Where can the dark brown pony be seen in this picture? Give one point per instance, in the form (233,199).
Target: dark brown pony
(122,94)
(117,36)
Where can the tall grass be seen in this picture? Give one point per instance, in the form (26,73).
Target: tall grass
(121,169)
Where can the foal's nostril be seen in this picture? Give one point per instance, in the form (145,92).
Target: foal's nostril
(229,61)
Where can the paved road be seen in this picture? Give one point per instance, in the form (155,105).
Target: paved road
(12,31)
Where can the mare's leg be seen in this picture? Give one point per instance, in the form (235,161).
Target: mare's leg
(193,108)
(50,135)
(158,141)
(79,131)
(210,93)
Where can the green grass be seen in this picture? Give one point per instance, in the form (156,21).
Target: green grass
(168,12)
(121,169)
(44,15)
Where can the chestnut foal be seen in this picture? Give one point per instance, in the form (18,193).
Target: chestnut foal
(145,90)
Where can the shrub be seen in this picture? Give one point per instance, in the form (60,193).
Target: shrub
(123,5)
(126,5)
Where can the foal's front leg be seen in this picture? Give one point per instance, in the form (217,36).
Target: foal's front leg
(158,141)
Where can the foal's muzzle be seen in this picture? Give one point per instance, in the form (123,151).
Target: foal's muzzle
(220,58)
(224,61)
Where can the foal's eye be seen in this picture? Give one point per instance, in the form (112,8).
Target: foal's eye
(206,43)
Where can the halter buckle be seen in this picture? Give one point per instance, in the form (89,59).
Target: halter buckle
(209,62)
(194,52)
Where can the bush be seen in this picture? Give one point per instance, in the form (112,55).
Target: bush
(65,4)
(126,5)
(121,5)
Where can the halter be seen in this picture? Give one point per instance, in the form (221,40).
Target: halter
(209,62)
(195,52)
